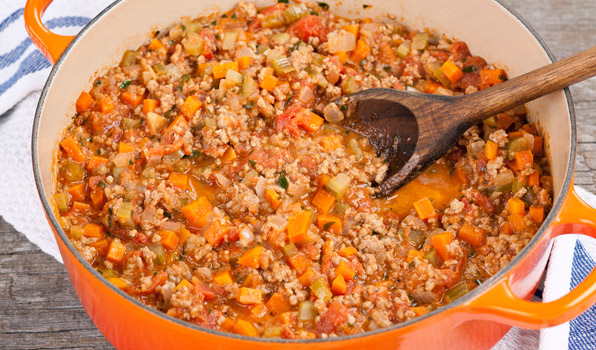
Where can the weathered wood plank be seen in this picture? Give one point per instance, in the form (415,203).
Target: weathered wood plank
(39,309)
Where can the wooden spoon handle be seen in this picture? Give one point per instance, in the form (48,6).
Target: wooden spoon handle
(528,87)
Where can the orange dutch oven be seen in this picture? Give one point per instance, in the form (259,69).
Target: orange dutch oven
(476,321)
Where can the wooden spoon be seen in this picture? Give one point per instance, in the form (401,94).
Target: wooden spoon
(412,130)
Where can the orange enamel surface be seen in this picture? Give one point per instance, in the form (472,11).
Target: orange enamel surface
(501,304)
(50,44)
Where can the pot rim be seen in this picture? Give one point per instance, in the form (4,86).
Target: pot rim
(461,301)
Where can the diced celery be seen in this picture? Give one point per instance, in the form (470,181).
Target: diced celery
(124,215)
(249,87)
(354,148)
(339,209)
(438,74)
(518,184)
(350,86)
(130,123)
(156,122)
(432,257)
(322,82)
(72,171)
(516,145)
(234,76)
(159,69)
(247,181)
(307,311)
(193,44)
(294,13)
(282,65)
(129,58)
(182,165)
(338,185)
(420,41)
(109,273)
(280,38)
(174,156)
(210,123)
(229,40)
(403,49)
(290,250)
(272,332)
(190,27)
(117,171)
(320,289)
(76,231)
(457,291)
(397,29)
(261,49)
(148,173)
(505,187)
(417,238)
(62,201)
(317,59)
(273,20)
(490,121)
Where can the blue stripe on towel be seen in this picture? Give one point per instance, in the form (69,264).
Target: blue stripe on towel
(13,17)
(582,330)
(32,63)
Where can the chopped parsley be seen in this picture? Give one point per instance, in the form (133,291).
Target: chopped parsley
(323,5)
(365,6)
(214,22)
(125,84)
(102,184)
(253,163)
(195,153)
(343,108)
(167,114)
(282,1)
(167,214)
(183,80)
(234,16)
(156,34)
(97,82)
(289,99)
(328,225)
(282,181)
(249,105)
(469,69)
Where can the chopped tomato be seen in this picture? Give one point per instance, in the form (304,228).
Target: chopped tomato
(335,315)
(309,26)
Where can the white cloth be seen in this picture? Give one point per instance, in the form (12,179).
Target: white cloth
(23,72)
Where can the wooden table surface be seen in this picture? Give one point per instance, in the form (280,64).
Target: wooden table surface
(39,309)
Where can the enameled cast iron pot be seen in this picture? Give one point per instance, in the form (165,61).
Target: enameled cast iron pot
(475,321)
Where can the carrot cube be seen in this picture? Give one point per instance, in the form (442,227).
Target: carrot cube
(523,158)
(462,176)
(323,201)
(97,197)
(269,82)
(178,180)
(537,214)
(452,72)
(246,328)
(78,192)
(516,206)
(430,87)
(96,161)
(491,150)
(413,255)
(118,282)
(490,77)
(149,105)
(534,179)
(329,223)
(116,251)
(307,278)
(273,199)
(361,51)
(155,45)
(244,62)
(125,147)
(516,222)
(251,257)
(345,270)
(84,102)
(300,262)
(169,239)
(93,230)
(190,106)
(278,303)
(223,277)
(347,251)
(184,284)
(73,150)
(183,235)
(424,208)
(471,234)
(440,243)
(130,99)
(310,121)
(330,142)
(220,70)
(101,246)
(249,296)
(351,28)
(216,232)
(106,106)
(338,287)
(80,207)
(298,227)
(229,155)
(196,212)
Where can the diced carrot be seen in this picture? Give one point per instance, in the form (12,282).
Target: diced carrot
(287,318)
(229,155)
(97,197)
(223,277)
(308,277)
(220,70)
(523,158)
(530,129)
(534,179)
(512,164)
(413,255)
(516,222)
(169,239)
(537,146)
(118,282)
(342,56)
(116,251)
(506,228)
(323,201)
(490,77)
(246,328)
(424,208)
(183,235)
(452,72)
(310,121)
(249,296)
(227,325)
(419,310)
(184,284)
(269,82)
(361,51)
(331,223)
(125,147)
(300,262)
(190,106)
(179,180)
(430,87)
(73,150)
(298,227)
(504,121)
(155,45)
(216,232)
(330,142)
(84,102)
(93,230)
(80,207)
(440,243)
(537,213)
(273,199)
(471,234)
(251,257)
(149,105)
(516,206)
(386,53)
(78,192)
(491,150)
(338,287)
(322,180)
(106,106)
(351,28)
(244,62)
(344,269)
(196,212)
(347,251)
(101,246)
(461,176)
(515,134)
(258,311)
(130,99)
(96,161)
(278,303)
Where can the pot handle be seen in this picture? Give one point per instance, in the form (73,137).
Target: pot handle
(500,304)
(50,44)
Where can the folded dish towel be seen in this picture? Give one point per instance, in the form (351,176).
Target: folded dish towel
(23,71)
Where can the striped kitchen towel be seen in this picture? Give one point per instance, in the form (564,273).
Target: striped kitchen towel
(23,71)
